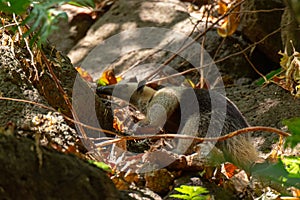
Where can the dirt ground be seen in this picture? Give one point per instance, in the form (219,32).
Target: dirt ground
(265,106)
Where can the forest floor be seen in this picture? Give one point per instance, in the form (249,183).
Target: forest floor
(262,105)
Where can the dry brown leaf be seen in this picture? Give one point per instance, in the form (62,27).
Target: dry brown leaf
(159,180)
(291,76)
(120,183)
(232,21)
(117,124)
(108,78)
(295,192)
(84,74)
(229,170)
(238,182)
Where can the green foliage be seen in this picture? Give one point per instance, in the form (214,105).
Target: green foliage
(100,165)
(85,3)
(43,17)
(285,172)
(191,193)
(269,76)
(294,127)
(101,82)
(16,6)
(292,165)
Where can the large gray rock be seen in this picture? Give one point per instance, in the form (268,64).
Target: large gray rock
(261,18)
(172,14)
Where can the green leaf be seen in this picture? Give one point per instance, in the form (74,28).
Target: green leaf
(276,172)
(294,127)
(206,197)
(43,19)
(36,17)
(269,76)
(270,169)
(100,82)
(180,196)
(44,16)
(292,166)
(16,6)
(191,192)
(185,189)
(83,3)
(100,165)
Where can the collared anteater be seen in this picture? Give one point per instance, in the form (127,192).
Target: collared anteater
(189,111)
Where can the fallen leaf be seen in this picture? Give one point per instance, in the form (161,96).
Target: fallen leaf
(229,170)
(84,74)
(108,78)
(232,21)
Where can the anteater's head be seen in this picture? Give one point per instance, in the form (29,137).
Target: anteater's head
(136,94)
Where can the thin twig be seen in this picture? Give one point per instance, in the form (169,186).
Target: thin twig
(166,136)
(197,37)
(261,11)
(28,48)
(8,25)
(65,116)
(254,68)
(220,60)
(197,139)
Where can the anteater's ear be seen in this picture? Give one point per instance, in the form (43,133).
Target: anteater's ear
(141,86)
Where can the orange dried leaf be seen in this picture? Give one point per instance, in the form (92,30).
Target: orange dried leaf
(229,170)
(131,177)
(117,124)
(84,74)
(108,78)
(120,183)
(72,149)
(273,157)
(295,192)
(277,79)
(232,21)
(222,8)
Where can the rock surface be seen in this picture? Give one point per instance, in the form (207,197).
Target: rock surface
(173,15)
(36,172)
